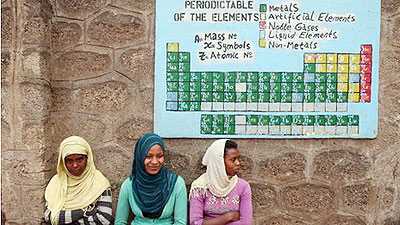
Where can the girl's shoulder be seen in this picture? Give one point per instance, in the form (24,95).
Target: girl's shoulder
(242,184)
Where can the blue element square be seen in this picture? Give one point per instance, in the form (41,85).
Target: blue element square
(172,96)
(354,78)
(172,106)
(297,97)
(309,77)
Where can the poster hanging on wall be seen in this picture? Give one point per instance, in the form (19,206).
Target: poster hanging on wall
(267,69)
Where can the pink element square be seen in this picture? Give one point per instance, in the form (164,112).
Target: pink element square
(366,68)
(366,77)
(366,59)
(365,86)
(263,24)
(366,49)
(365,97)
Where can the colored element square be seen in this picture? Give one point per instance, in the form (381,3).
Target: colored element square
(172,96)
(206,96)
(297,97)
(286,97)
(365,68)
(320,87)
(172,86)
(274,87)
(309,87)
(218,97)
(355,59)
(206,77)
(366,49)
(229,87)
(309,97)
(354,97)
(366,59)
(331,68)
(309,58)
(331,58)
(252,87)
(298,120)
(366,77)
(184,76)
(195,86)
(354,87)
(274,97)
(172,106)
(343,58)
(343,77)
(184,67)
(286,87)
(309,77)
(207,87)
(263,25)
(342,97)
(287,77)
(320,77)
(320,68)
(195,96)
(320,120)
(342,87)
(241,77)
(320,97)
(309,120)
(275,77)
(263,7)
(172,47)
(309,68)
(330,87)
(184,96)
(195,76)
(263,97)
(183,106)
(241,97)
(194,106)
(298,77)
(331,77)
(184,86)
(365,86)
(252,97)
(298,87)
(229,119)
(343,68)
(172,67)
(252,119)
(331,120)
(218,87)
(252,77)
(365,97)
(218,77)
(263,77)
(331,97)
(321,58)
(172,76)
(354,120)
(354,68)
(264,87)
(230,77)
(184,57)
(172,57)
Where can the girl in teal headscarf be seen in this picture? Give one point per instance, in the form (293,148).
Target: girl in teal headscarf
(152,193)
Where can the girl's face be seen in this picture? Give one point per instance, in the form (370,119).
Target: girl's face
(154,160)
(232,163)
(76,164)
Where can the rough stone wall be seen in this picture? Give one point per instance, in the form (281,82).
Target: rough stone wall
(85,67)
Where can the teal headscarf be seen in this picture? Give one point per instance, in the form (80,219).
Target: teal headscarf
(151,192)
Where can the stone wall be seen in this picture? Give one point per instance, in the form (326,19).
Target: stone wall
(85,67)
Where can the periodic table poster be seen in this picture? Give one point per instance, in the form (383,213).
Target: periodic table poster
(267,68)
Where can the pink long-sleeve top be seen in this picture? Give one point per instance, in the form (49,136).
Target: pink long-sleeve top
(239,199)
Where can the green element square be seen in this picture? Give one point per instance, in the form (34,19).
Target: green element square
(286,97)
(172,86)
(172,57)
(195,96)
(275,97)
(287,77)
(206,97)
(195,86)
(298,120)
(184,67)
(342,120)
(342,97)
(264,87)
(252,77)
(275,87)
(320,77)
(229,87)
(286,87)
(331,87)
(183,106)
(275,77)
(263,7)
(230,77)
(309,97)
(252,87)
(298,77)
(195,76)
(331,77)
(298,87)
(219,129)
(331,97)
(309,67)
(241,97)
(206,128)
(172,67)
(184,96)
(320,97)
(206,87)
(184,76)
(252,97)
(309,87)
(241,77)
(229,119)
(252,119)
(263,77)
(331,120)
(172,76)
(309,120)
(274,120)
(184,57)
(264,120)
(194,106)
(184,86)
(320,120)
(230,129)
(229,97)
(286,120)
(354,120)
(206,77)
(263,97)
(320,87)
(218,77)
(218,87)
(218,97)
(207,119)
(218,119)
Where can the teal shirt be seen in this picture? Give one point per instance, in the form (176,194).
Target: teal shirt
(175,211)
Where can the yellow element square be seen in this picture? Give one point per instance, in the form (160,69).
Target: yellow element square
(262,43)
(309,58)
(343,58)
(331,68)
(343,77)
(331,58)
(354,97)
(354,68)
(343,68)
(354,87)
(320,58)
(342,87)
(355,58)
(172,47)
(320,68)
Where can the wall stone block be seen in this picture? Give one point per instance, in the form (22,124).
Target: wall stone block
(141,5)
(61,99)
(357,197)
(109,97)
(36,30)
(60,127)
(390,7)
(132,129)
(5,66)
(396,32)
(388,198)
(6,102)
(179,163)
(80,65)
(343,220)
(264,197)
(79,9)
(340,165)
(35,100)
(95,130)
(390,65)
(34,135)
(7,26)
(284,168)
(308,200)
(10,196)
(34,210)
(36,64)
(65,35)
(6,141)
(246,166)
(281,220)
(392,97)
(117,29)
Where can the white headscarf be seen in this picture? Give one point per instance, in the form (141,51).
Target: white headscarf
(215,179)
